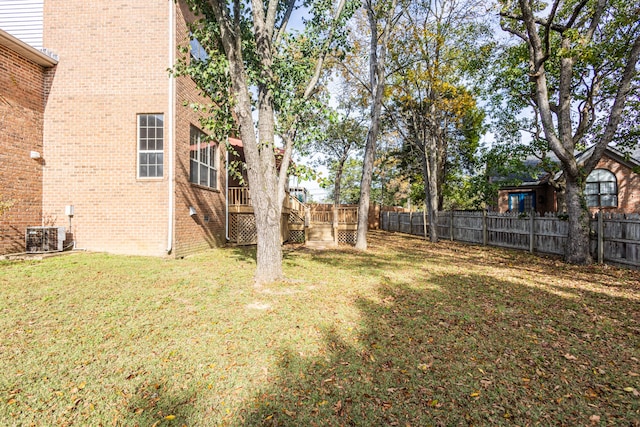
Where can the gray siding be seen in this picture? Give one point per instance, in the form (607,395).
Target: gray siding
(23,20)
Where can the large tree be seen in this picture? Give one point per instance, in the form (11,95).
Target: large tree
(381,17)
(343,181)
(256,64)
(582,59)
(343,138)
(433,110)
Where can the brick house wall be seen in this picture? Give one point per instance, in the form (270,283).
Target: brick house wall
(113,60)
(628,183)
(628,186)
(206,228)
(544,194)
(22,98)
(114,71)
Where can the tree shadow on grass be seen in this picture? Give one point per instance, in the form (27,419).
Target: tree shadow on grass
(244,253)
(153,403)
(457,350)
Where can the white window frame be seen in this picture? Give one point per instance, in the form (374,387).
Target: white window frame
(148,136)
(596,179)
(203,159)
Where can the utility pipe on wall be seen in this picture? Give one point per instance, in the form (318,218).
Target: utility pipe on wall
(171,124)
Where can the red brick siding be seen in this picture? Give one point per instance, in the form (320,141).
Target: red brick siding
(113,60)
(194,234)
(628,191)
(21,119)
(545,198)
(628,186)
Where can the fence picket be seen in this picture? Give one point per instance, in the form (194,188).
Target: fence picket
(620,233)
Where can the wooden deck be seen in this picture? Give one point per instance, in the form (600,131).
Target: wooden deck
(300,222)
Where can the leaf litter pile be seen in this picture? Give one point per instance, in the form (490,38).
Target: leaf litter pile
(409,333)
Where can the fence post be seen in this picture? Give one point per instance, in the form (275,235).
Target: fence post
(410,222)
(485,232)
(600,238)
(451,226)
(532,230)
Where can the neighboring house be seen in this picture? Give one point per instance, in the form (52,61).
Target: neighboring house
(119,149)
(24,77)
(613,186)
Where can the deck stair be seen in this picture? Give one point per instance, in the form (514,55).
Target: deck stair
(320,234)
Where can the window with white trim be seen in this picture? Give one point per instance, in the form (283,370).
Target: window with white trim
(150,145)
(202,170)
(601,189)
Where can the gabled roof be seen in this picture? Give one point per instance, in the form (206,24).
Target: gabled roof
(631,160)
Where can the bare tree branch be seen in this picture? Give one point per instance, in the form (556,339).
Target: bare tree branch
(325,50)
(615,116)
(285,21)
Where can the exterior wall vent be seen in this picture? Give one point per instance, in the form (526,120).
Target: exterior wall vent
(45,239)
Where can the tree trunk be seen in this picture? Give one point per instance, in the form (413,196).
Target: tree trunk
(261,174)
(337,183)
(267,204)
(269,247)
(431,199)
(577,250)
(377,57)
(365,183)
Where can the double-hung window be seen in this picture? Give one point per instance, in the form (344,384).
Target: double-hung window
(150,145)
(203,159)
(601,189)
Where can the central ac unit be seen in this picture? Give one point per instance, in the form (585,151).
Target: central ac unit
(45,239)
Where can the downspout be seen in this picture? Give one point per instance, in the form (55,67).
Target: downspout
(171,126)
(226,193)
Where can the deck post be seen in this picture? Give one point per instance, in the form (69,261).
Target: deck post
(336,220)
(307,224)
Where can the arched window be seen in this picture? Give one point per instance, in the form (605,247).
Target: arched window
(601,189)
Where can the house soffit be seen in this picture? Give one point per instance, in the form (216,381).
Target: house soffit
(25,50)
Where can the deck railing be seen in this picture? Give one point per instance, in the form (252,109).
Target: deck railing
(319,214)
(346,215)
(294,204)
(239,196)
(321,217)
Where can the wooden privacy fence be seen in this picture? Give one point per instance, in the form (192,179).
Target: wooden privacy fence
(615,238)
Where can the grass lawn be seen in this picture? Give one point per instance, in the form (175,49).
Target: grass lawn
(408,334)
